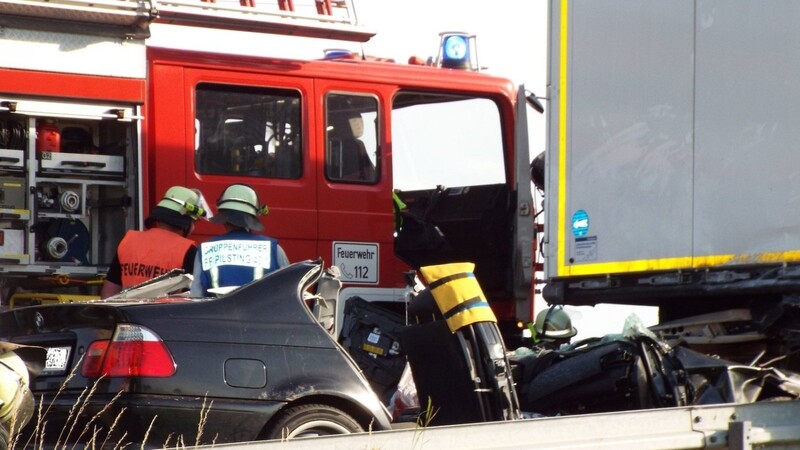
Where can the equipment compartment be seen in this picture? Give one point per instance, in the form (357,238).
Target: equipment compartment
(12,246)
(75,162)
(12,159)
(67,187)
(12,196)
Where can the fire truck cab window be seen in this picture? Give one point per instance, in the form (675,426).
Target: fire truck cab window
(247,131)
(431,132)
(351,153)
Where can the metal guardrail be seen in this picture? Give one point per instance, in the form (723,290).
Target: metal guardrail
(735,427)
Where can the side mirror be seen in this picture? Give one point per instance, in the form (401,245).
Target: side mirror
(533,100)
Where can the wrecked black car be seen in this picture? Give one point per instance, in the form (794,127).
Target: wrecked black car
(464,374)
(254,364)
(637,370)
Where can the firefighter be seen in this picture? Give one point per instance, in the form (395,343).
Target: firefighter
(162,246)
(238,256)
(553,328)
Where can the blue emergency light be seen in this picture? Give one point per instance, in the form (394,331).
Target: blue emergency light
(334,53)
(458,51)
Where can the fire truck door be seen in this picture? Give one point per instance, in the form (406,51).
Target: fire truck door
(240,128)
(355,199)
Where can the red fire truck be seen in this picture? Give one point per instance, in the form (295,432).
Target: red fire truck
(101,112)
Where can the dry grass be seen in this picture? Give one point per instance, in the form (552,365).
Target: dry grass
(423,421)
(92,436)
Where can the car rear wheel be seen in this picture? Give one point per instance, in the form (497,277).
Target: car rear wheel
(313,420)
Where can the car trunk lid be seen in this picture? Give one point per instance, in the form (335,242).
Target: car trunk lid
(66,331)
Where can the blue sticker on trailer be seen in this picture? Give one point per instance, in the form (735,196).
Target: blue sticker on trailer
(580,223)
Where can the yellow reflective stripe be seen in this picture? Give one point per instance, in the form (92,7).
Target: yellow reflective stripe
(258,272)
(372,349)
(214,273)
(630,266)
(766,257)
(561,250)
(459,298)
(697,262)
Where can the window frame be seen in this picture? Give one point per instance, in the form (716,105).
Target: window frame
(369,175)
(269,165)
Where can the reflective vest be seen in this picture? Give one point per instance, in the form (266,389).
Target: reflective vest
(150,253)
(237,258)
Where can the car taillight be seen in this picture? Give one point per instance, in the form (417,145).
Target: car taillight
(93,359)
(134,351)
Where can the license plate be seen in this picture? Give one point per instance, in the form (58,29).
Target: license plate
(56,359)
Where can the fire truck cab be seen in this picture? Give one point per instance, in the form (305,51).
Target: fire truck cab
(375,166)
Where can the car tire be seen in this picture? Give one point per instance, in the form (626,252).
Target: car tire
(312,420)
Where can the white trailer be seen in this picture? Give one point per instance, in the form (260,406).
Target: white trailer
(672,162)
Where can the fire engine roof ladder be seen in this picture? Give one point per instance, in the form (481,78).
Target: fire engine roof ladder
(128,18)
(327,19)
(323,6)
